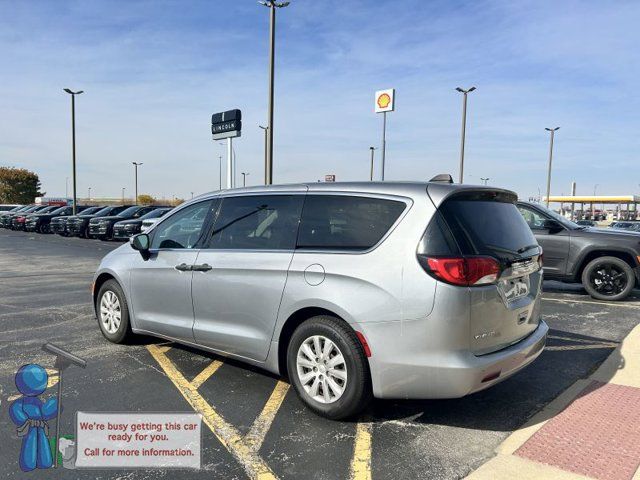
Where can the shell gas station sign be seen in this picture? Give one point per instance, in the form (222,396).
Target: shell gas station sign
(385,100)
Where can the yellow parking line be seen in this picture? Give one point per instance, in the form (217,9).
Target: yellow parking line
(163,348)
(206,373)
(361,461)
(260,427)
(228,435)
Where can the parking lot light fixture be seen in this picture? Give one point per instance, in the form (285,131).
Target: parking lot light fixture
(485,179)
(266,158)
(136,165)
(552,131)
(73,142)
(272,5)
(89,193)
(244,178)
(464,126)
(372,149)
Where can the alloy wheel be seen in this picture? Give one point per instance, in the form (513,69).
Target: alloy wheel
(608,279)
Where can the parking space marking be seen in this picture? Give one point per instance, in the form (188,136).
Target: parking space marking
(361,461)
(588,302)
(262,424)
(228,435)
(206,373)
(584,344)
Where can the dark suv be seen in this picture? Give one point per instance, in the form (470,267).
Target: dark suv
(78,225)
(102,226)
(605,261)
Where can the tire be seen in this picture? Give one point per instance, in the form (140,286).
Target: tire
(356,386)
(114,331)
(608,278)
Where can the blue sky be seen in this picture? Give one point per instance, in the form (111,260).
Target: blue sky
(154,71)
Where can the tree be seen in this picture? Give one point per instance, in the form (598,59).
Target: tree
(144,199)
(18,185)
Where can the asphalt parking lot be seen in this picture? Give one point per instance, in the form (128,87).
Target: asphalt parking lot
(255,424)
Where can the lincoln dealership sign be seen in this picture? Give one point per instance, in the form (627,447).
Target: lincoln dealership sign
(226,124)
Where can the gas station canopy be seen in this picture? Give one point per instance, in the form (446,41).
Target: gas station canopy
(613,199)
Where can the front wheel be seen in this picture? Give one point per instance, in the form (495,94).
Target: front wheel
(608,278)
(113,312)
(328,368)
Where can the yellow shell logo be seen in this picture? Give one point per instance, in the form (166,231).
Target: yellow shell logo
(384,100)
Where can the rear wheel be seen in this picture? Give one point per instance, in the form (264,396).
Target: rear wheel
(608,278)
(328,368)
(113,312)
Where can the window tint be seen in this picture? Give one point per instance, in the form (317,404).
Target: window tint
(491,227)
(437,239)
(183,229)
(267,222)
(343,222)
(533,218)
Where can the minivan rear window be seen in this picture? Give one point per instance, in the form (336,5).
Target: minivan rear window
(485,226)
(344,222)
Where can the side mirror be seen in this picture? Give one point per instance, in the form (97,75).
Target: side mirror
(141,243)
(552,225)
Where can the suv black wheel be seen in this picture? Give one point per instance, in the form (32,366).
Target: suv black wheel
(113,312)
(608,278)
(328,368)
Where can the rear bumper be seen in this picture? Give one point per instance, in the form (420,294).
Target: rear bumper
(430,375)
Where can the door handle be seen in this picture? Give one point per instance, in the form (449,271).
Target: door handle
(205,267)
(183,267)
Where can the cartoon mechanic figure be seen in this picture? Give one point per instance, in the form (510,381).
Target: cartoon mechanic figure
(30,414)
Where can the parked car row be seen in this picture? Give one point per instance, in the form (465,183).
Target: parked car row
(103,222)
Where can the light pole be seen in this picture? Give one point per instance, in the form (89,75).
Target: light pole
(192,195)
(136,165)
(464,126)
(244,178)
(266,157)
(123,195)
(272,5)
(371,173)
(73,142)
(553,131)
(89,194)
(485,179)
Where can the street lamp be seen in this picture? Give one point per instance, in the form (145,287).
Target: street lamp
(553,131)
(89,194)
(371,174)
(272,5)
(123,195)
(244,178)
(266,159)
(464,126)
(73,142)
(485,179)
(136,165)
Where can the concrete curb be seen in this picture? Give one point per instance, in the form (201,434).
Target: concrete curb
(622,367)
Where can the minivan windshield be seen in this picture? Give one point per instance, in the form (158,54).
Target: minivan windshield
(488,226)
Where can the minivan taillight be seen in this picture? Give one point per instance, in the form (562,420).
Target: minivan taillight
(464,271)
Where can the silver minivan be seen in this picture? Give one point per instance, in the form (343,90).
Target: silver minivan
(351,290)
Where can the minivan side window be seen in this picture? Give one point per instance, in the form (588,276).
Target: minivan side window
(344,222)
(183,229)
(257,222)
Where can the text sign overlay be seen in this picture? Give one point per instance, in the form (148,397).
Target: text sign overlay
(149,440)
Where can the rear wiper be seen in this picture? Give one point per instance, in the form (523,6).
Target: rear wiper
(528,247)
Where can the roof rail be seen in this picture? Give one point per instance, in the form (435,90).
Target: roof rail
(442,178)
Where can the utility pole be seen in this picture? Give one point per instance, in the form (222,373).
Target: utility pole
(266,157)
(244,178)
(272,5)
(136,165)
(371,173)
(464,126)
(553,131)
(73,142)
